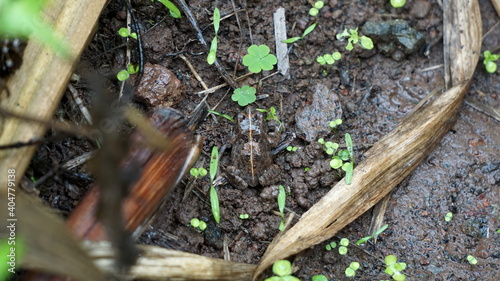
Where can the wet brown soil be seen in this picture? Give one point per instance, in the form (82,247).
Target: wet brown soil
(461,175)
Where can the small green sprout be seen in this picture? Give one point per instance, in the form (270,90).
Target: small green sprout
(222,115)
(398,3)
(259,58)
(174,11)
(498,230)
(271,114)
(244,216)
(196,223)
(489,61)
(307,169)
(330,147)
(314,11)
(336,162)
(330,246)
(320,277)
(213,47)
(124,74)
(375,234)
(214,198)
(472,260)
(291,148)
(197,172)
(329,59)
(307,31)
(344,242)
(124,32)
(335,123)
(448,216)
(281,206)
(282,268)
(354,38)
(244,95)
(351,270)
(394,268)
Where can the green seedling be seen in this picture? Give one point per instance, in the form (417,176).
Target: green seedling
(307,169)
(394,268)
(320,277)
(472,260)
(335,123)
(344,242)
(330,246)
(291,148)
(489,61)
(259,58)
(124,74)
(244,216)
(270,114)
(213,47)
(198,172)
(281,206)
(124,32)
(307,31)
(174,11)
(314,11)
(283,270)
(398,3)
(244,95)
(329,147)
(354,38)
(196,223)
(448,217)
(214,198)
(222,115)
(22,19)
(375,234)
(329,59)
(351,270)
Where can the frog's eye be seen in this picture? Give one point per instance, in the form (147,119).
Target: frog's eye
(245,138)
(247,158)
(256,138)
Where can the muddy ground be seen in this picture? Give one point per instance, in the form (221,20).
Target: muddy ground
(374,92)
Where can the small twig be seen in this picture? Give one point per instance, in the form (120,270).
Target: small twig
(83,109)
(431,68)
(213,89)
(195,73)
(491,29)
(139,43)
(484,108)
(183,6)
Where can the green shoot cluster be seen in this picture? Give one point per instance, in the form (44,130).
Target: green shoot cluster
(329,59)
(199,224)
(353,38)
(283,272)
(472,260)
(344,242)
(270,114)
(344,158)
(291,148)
(244,216)
(213,47)
(394,268)
(489,61)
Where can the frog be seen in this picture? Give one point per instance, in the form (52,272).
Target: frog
(251,155)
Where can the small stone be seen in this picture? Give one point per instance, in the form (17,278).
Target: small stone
(420,9)
(159,87)
(313,119)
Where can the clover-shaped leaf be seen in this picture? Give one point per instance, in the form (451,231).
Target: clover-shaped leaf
(259,58)
(244,95)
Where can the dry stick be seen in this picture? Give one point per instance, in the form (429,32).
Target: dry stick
(230,81)
(241,38)
(213,89)
(195,73)
(83,109)
(396,155)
